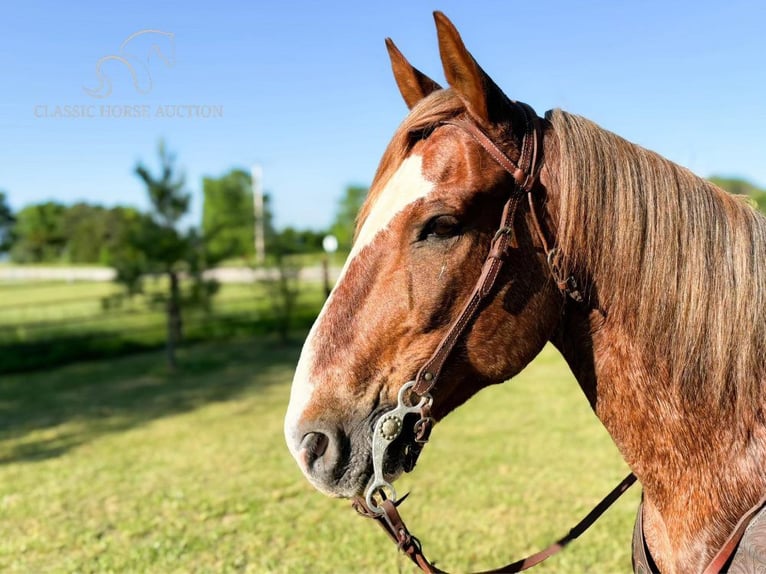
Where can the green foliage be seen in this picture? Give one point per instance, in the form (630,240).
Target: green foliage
(269,231)
(345,218)
(167,190)
(136,243)
(134,253)
(161,247)
(39,233)
(283,288)
(86,229)
(735,185)
(93,233)
(45,324)
(7,221)
(290,241)
(164,248)
(742,187)
(228,222)
(80,233)
(227,215)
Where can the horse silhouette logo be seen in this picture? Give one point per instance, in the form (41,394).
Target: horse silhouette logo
(135,54)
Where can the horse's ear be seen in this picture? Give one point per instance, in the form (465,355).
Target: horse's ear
(413,84)
(481,96)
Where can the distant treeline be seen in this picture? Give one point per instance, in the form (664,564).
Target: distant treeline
(54,232)
(740,186)
(80,233)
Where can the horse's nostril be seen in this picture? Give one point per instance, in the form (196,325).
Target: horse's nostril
(315,445)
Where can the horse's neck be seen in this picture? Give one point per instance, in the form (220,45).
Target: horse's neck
(698,475)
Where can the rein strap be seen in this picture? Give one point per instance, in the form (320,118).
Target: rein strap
(393,524)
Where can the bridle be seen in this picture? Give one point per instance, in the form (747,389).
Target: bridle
(389,426)
(525,174)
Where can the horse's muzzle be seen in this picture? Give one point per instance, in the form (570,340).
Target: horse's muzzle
(336,463)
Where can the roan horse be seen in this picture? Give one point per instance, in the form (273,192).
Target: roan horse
(650,281)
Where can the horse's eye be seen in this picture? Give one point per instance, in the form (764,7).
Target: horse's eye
(441,226)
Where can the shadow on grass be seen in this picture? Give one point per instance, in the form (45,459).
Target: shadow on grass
(44,415)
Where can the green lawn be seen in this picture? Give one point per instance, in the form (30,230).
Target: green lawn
(52,301)
(118,466)
(45,324)
(49,300)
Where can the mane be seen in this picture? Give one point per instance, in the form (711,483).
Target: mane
(424,117)
(685,264)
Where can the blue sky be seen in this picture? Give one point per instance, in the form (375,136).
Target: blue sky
(305,89)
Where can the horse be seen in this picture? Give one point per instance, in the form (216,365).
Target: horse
(649,280)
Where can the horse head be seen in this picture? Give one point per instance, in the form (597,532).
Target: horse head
(422,239)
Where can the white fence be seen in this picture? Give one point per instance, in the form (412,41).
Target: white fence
(72,274)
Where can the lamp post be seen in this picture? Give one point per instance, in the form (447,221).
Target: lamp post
(330,246)
(256,174)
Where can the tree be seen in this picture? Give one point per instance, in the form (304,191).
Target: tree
(156,243)
(741,186)
(345,218)
(85,229)
(293,241)
(7,221)
(39,233)
(227,215)
(119,221)
(735,185)
(283,290)
(79,233)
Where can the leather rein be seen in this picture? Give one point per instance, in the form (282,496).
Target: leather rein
(380,501)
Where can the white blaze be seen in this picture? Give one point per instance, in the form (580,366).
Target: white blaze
(406,186)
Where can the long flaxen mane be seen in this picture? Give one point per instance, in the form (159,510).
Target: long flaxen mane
(679,262)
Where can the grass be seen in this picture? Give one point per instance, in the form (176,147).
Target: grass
(119,466)
(309,259)
(49,300)
(45,324)
(54,301)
